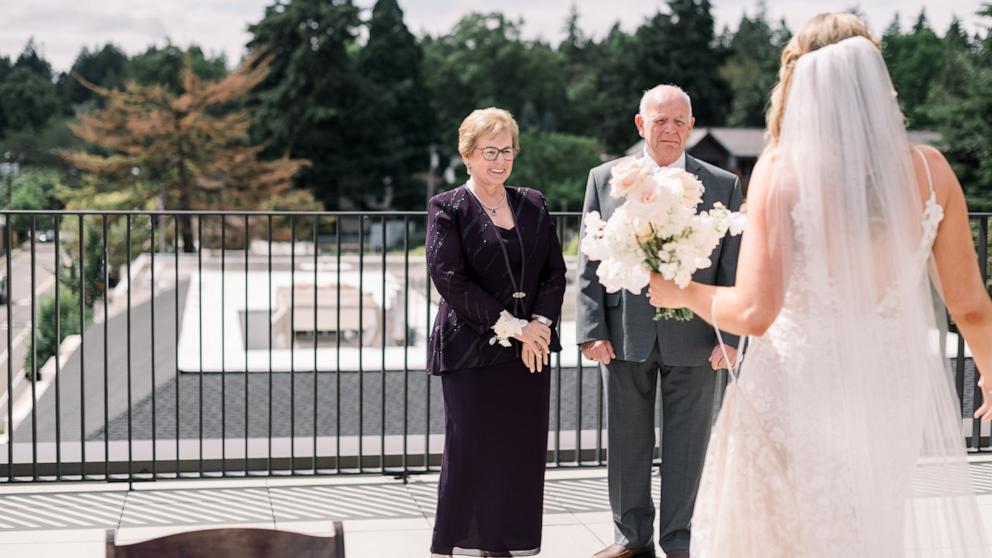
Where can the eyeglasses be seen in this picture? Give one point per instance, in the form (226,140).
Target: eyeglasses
(491,153)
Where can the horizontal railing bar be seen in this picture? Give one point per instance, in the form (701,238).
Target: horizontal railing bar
(232,213)
(235,213)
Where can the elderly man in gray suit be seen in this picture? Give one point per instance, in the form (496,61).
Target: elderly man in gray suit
(617,331)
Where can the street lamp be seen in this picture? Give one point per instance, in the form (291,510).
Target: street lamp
(8,172)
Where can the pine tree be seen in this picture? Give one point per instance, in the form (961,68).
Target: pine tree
(580,58)
(32,60)
(182,151)
(910,58)
(962,113)
(484,62)
(106,67)
(315,104)
(28,97)
(620,86)
(573,46)
(680,47)
(392,61)
(751,69)
(29,101)
(164,66)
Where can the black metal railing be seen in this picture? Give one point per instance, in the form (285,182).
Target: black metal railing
(145,345)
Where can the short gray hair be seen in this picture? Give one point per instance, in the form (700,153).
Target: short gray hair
(659,90)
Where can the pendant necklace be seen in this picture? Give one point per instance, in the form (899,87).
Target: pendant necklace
(492,210)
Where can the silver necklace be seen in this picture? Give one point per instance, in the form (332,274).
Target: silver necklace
(486,207)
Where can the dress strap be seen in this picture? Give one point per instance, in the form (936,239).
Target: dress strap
(926,166)
(735,368)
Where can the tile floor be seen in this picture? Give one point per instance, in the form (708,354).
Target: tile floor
(382,516)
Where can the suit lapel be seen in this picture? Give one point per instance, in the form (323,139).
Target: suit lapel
(692,165)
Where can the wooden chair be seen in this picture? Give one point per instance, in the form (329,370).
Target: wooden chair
(232,543)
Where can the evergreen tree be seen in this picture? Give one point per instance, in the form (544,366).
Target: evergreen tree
(752,68)
(165,66)
(484,62)
(105,67)
(680,47)
(910,58)
(28,98)
(180,151)
(575,44)
(619,91)
(392,61)
(6,66)
(580,58)
(33,61)
(956,37)
(27,101)
(474,66)
(962,114)
(315,104)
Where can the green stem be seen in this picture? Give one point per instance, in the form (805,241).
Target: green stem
(676,314)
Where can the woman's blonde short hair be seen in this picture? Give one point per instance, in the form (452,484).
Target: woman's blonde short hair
(822,30)
(485,122)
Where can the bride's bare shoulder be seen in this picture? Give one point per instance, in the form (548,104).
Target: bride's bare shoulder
(945,182)
(762,172)
(771,176)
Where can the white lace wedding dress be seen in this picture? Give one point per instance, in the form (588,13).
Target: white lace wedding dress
(842,436)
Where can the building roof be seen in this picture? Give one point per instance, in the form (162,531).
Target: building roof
(416,403)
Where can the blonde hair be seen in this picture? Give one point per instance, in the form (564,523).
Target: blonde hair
(822,30)
(485,122)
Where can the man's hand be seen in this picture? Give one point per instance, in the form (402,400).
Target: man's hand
(600,351)
(717,361)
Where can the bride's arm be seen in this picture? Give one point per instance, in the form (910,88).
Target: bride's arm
(961,284)
(753,303)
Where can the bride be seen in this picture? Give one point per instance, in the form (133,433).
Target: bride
(842,436)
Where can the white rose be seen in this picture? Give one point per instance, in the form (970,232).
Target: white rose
(627,175)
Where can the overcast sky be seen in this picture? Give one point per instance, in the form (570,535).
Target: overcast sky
(63,27)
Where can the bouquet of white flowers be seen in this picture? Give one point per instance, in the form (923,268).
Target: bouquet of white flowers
(656,229)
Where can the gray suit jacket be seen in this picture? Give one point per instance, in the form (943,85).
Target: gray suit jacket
(625,318)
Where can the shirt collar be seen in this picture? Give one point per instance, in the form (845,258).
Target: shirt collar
(676,164)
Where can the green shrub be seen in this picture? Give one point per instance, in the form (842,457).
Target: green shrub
(47,344)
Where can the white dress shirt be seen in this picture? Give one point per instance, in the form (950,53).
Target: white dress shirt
(655,167)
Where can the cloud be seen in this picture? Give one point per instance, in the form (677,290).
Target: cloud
(64,27)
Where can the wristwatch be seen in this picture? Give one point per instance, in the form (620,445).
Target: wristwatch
(541,319)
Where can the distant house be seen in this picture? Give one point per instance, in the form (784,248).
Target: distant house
(737,149)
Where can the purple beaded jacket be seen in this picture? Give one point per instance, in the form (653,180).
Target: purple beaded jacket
(468,267)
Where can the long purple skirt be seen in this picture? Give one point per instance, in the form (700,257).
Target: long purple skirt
(491,491)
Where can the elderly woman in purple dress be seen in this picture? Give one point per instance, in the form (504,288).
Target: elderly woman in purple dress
(495,258)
